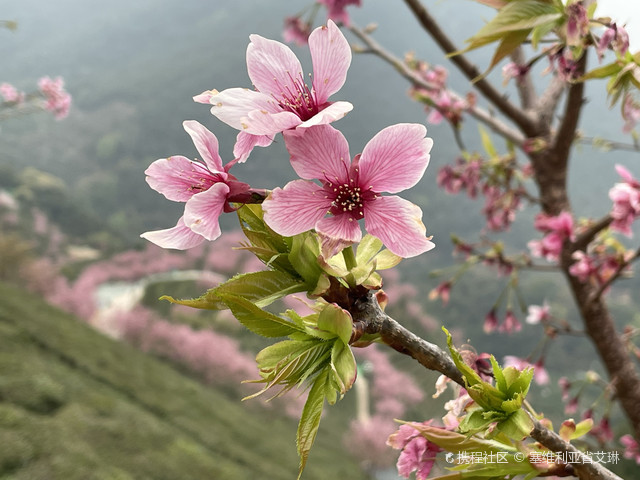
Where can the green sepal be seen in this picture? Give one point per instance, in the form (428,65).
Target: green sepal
(368,247)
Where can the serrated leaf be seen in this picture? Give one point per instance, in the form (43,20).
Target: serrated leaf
(520,15)
(337,321)
(310,419)
(262,288)
(501,382)
(257,320)
(520,382)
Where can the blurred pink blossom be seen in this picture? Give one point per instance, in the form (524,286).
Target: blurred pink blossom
(57,100)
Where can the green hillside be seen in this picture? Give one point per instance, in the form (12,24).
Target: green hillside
(77,405)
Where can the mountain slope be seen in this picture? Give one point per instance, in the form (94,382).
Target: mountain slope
(77,405)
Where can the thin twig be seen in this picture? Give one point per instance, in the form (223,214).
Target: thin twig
(608,144)
(514,113)
(524,84)
(401,67)
(585,238)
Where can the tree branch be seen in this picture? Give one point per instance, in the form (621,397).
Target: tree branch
(367,311)
(525,86)
(401,67)
(585,468)
(567,131)
(548,103)
(515,114)
(585,238)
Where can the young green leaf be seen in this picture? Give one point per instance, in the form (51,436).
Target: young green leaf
(310,419)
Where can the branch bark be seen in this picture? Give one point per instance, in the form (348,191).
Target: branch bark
(476,112)
(515,114)
(367,311)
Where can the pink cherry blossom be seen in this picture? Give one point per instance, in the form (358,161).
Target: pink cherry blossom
(418,454)
(510,324)
(337,9)
(577,24)
(630,113)
(282,99)
(394,159)
(296,30)
(631,448)
(442,291)
(537,313)
(513,70)
(9,93)
(558,229)
(490,321)
(626,202)
(57,100)
(584,267)
(615,37)
(205,187)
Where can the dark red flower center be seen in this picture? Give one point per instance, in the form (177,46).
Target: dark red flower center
(298,98)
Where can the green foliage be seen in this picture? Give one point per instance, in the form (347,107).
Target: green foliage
(76,405)
(501,404)
(513,24)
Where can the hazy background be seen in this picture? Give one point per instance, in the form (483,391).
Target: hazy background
(133,68)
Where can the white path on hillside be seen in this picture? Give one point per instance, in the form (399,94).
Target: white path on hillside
(112,298)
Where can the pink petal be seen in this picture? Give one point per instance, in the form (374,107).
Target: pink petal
(179,237)
(319,152)
(205,97)
(411,456)
(331,57)
(173,177)
(233,104)
(341,227)
(396,158)
(202,211)
(272,66)
(624,173)
(333,112)
(261,122)
(398,223)
(295,208)
(206,143)
(245,143)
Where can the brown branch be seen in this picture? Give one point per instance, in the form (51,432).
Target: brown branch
(548,103)
(401,67)
(515,114)
(603,143)
(585,238)
(584,467)
(524,84)
(575,100)
(367,311)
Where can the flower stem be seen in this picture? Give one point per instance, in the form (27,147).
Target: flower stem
(349,258)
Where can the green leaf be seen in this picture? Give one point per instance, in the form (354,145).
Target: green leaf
(257,320)
(367,249)
(509,42)
(343,366)
(304,254)
(570,431)
(602,72)
(520,15)
(501,383)
(337,321)
(517,426)
(456,442)
(386,259)
(487,144)
(310,419)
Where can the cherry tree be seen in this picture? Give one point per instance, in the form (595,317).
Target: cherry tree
(308,233)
